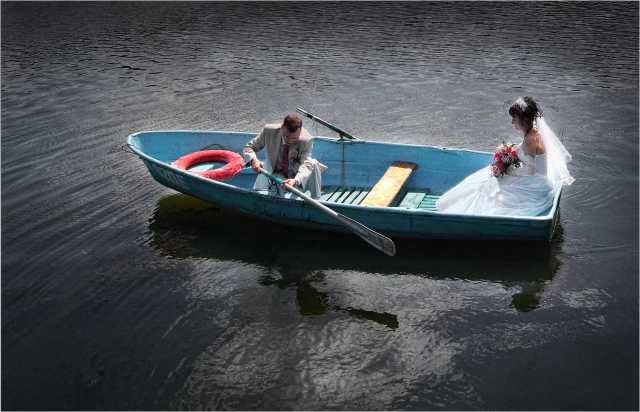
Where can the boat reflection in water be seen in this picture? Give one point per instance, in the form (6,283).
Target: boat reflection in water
(184,227)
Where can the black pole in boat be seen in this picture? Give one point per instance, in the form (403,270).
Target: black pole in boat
(336,129)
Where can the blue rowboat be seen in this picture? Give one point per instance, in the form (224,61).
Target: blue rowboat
(355,166)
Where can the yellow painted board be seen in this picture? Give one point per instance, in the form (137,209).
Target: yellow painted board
(389,185)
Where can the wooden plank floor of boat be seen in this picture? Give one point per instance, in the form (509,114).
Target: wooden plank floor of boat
(415,199)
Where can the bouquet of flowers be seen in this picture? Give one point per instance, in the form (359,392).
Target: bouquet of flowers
(505,157)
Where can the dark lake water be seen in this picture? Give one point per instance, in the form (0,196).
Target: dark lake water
(119,293)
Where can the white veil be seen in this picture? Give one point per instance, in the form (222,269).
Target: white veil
(557,154)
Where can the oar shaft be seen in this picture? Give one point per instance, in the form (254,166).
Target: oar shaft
(375,239)
(301,194)
(313,201)
(336,129)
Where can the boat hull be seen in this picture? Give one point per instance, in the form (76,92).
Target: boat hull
(395,222)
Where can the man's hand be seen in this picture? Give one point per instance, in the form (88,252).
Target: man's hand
(256,165)
(290,182)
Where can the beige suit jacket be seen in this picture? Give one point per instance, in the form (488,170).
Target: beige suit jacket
(300,161)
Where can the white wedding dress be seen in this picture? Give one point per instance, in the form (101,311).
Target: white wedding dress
(525,191)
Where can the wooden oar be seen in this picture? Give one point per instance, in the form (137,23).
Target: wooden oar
(375,239)
(336,129)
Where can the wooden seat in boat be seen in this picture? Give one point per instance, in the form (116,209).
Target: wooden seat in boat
(390,184)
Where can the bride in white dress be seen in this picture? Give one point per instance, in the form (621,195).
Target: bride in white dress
(525,191)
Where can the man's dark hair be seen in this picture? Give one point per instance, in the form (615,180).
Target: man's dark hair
(292,122)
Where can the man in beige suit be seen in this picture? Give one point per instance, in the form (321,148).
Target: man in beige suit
(288,148)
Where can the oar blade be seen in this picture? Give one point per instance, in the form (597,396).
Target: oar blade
(375,239)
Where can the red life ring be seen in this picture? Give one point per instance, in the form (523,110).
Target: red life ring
(235,162)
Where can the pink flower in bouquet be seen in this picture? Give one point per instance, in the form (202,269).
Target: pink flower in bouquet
(504,158)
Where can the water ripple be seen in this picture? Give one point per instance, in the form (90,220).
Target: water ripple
(119,294)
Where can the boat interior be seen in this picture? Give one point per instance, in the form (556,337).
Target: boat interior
(356,168)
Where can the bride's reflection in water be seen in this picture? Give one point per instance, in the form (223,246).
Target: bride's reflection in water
(185,227)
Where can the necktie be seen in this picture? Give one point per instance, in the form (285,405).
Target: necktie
(284,160)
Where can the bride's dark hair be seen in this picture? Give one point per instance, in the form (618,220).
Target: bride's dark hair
(526,109)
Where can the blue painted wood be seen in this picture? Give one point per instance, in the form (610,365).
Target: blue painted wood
(412,200)
(352,196)
(344,195)
(428,202)
(431,208)
(360,197)
(338,192)
(327,192)
(359,164)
